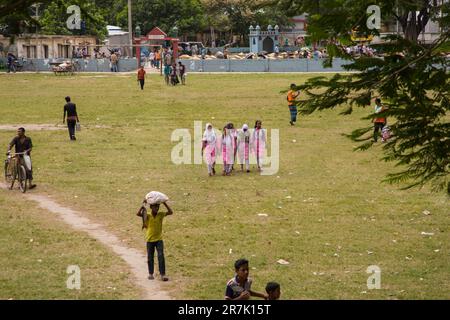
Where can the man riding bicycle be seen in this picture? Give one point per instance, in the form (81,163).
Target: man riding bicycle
(23,145)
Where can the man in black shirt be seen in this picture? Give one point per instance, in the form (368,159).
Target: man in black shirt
(72,117)
(24,145)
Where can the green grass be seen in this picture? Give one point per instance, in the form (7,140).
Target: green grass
(36,250)
(338,204)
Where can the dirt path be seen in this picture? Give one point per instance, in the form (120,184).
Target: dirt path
(50,127)
(135,259)
(32,127)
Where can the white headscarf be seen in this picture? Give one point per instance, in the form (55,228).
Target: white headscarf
(245,126)
(209,135)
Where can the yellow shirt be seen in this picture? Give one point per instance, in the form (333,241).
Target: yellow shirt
(154,226)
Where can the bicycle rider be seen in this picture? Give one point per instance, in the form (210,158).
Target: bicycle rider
(23,144)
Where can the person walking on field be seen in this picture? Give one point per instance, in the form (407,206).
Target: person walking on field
(243,146)
(227,151)
(23,146)
(291,98)
(233,133)
(258,142)
(141,77)
(167,72)
(379,122)
(72,117)
(209,148)
(157,58)
(114,62)
(182,71)
(153,224)
(173,75)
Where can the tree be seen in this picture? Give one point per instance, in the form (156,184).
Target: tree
(16,18)
(412,78)
(413,15)
(53,20)
(240,14)
(186,15)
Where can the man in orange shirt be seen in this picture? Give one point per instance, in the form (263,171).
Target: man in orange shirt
(157,58)
(291,96)
(141,76)
(379,122)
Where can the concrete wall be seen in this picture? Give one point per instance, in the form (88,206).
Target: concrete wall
(219,65)
(267,65)
(86,65)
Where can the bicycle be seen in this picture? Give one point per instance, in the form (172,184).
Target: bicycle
(15,170)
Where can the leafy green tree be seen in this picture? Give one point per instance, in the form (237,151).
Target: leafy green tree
(53,20)
(186,15)
(15,17)
(240,14)
(411,78)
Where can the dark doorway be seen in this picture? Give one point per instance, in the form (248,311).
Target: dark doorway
(268,45)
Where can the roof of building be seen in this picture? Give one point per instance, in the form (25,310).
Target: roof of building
(115,30)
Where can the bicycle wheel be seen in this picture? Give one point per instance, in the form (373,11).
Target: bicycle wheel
(14,174)
(22,179)
(8,172)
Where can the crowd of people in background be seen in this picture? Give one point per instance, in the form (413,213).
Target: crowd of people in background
(360,50)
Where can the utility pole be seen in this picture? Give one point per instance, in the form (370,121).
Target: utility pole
(130,29)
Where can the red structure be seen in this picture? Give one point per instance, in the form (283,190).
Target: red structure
(157,38)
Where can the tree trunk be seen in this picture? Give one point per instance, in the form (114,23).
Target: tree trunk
(413,24)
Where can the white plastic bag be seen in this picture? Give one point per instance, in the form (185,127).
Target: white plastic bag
(78,126)
(27,161)
(155,197)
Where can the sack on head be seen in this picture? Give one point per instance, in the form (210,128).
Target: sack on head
(155,197)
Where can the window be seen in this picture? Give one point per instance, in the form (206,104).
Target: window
(63,51)
(45,51)
(29,51)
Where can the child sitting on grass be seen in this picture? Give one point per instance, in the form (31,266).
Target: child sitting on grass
(239,288)
(273,290)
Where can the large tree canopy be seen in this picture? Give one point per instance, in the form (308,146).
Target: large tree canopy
(238,15)
(16,17)
(186,15)
(412,79)
(53,20)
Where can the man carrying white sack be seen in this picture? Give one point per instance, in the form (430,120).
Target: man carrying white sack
(153,235)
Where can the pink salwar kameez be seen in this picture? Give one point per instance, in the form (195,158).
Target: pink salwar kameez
(210,141)
(243,147)
(259,145)
(227,152)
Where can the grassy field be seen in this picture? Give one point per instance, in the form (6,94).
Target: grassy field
(339,218)
(35,251)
